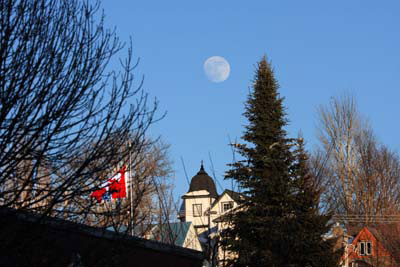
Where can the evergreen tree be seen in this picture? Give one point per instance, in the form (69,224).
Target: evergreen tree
(278,222)
(310,225)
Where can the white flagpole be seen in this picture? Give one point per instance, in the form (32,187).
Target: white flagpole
(130,187)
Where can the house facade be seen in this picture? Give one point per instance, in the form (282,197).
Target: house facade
(204,208)
(202,205)
(375,245)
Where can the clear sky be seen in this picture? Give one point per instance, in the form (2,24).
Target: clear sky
(318,49)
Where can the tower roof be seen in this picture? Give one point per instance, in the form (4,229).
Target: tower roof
(202,181)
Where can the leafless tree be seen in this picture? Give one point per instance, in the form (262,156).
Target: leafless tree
(64,114)
(148,183)
(359,175)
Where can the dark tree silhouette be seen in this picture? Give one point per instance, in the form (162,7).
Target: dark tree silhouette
(278,221)
(65,117)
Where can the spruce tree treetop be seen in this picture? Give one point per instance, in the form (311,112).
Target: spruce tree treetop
(265,134)
(264,109)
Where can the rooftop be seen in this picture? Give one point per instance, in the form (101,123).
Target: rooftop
(202,181)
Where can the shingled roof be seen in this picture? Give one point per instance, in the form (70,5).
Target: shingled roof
(202,181)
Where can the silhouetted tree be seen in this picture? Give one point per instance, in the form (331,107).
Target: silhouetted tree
(148,189)
(278,223)
(65,116)
(313,249)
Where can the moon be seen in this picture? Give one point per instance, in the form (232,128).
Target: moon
(217,69)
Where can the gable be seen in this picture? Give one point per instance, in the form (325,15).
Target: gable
(192,240)
(364,235)
(226,196)
(370,235)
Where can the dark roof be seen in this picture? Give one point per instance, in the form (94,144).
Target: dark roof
(41,229)
(202,181)
(234,195)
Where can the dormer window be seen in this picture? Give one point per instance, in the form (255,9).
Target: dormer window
(225,206)
(365,248)
(362,248)
(369,248)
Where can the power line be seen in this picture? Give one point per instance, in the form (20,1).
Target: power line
(363,218)
(213,172)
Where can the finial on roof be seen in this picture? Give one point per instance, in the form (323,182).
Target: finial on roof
(202,167)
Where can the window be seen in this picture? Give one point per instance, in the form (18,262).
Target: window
(369,248)
(196,210)
(362,248)
(365,248)
(226,206)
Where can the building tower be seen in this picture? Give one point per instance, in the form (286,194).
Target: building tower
(198,201)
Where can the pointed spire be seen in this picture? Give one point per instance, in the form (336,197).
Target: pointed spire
(201,168)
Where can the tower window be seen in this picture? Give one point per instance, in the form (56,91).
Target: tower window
(196,210)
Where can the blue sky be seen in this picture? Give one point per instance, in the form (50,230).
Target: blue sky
(318,49)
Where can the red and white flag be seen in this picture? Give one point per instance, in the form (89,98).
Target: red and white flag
(117,184)
(115,187)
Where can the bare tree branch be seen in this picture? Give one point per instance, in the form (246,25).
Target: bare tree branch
(65,117)
(359,175)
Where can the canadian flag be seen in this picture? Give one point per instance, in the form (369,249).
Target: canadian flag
(115,187)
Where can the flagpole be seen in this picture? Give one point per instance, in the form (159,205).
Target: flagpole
(130,187)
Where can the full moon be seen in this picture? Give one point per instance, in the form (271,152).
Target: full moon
(217,69)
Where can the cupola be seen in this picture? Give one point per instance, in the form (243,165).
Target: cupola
(202,181)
